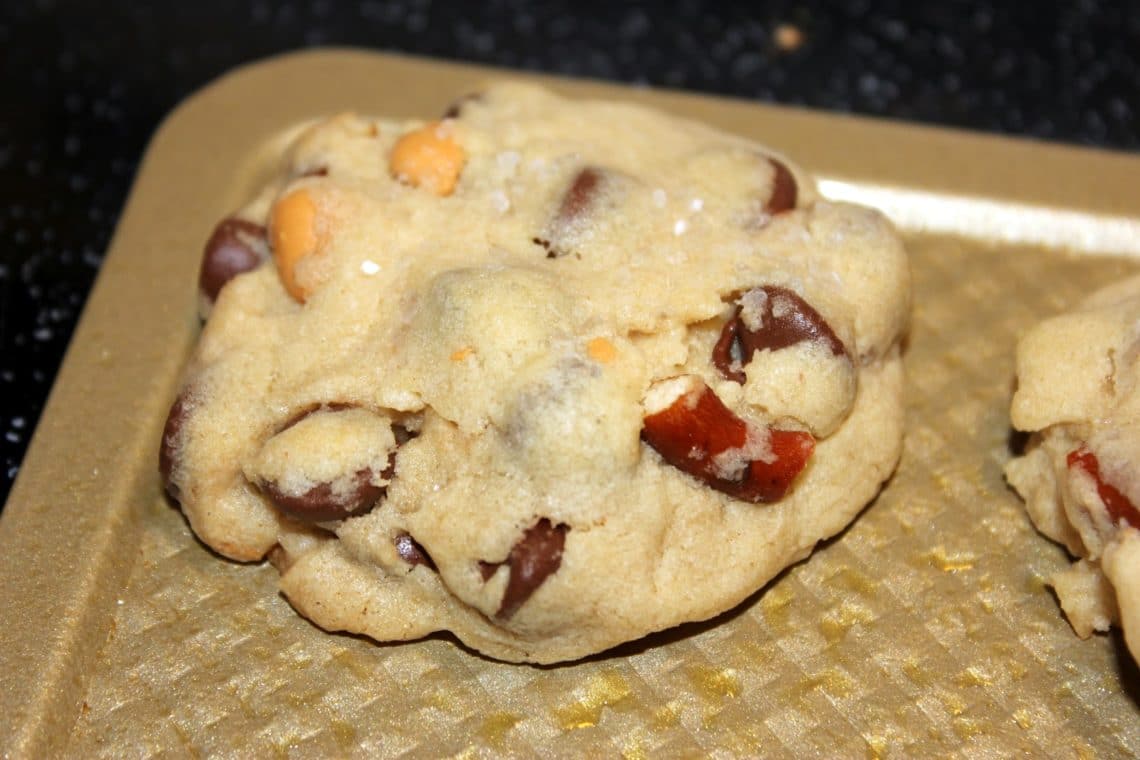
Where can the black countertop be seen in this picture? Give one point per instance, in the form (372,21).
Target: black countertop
(85,84)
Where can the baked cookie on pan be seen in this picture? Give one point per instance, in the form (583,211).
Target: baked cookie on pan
(547,374)
(1078,393)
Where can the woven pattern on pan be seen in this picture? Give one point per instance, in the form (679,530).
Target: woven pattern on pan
(925,629)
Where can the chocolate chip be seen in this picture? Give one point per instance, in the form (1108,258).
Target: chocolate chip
(728,352)
(580,194)
(487,569)
(402,436)
(321,503)
(783,196)
(235,246)
(455,110)
(411,552)
(330,406)
(171,433)
(795,322)
(576,202)
(534,558)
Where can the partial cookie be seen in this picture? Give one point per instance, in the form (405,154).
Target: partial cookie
(1077,392)
(550,375)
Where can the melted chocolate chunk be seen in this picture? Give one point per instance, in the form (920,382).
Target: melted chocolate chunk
(1115,502)
(171,432)
(235,246)
(783,196)
(700,436)
(534,558)
(411,552)
(796,322)
(320,503)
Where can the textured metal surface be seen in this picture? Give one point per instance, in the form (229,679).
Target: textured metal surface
(924,629)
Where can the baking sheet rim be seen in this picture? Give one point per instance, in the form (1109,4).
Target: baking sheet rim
(44,652)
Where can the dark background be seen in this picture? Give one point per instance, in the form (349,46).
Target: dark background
(84,85)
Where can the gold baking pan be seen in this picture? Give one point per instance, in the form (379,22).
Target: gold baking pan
(925,629)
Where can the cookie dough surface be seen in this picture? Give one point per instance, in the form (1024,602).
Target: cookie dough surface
(1078,393)
(550,375)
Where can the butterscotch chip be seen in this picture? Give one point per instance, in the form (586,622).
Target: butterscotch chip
(293,237)
(428,157)
(1078,394)
(549,375)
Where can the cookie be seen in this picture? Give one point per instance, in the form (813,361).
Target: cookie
(1078,394)
(548,374)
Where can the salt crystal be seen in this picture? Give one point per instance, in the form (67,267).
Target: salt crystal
(508,160)
(696,204)
(369,267)
(680,226)
(500,201)
(659,198)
